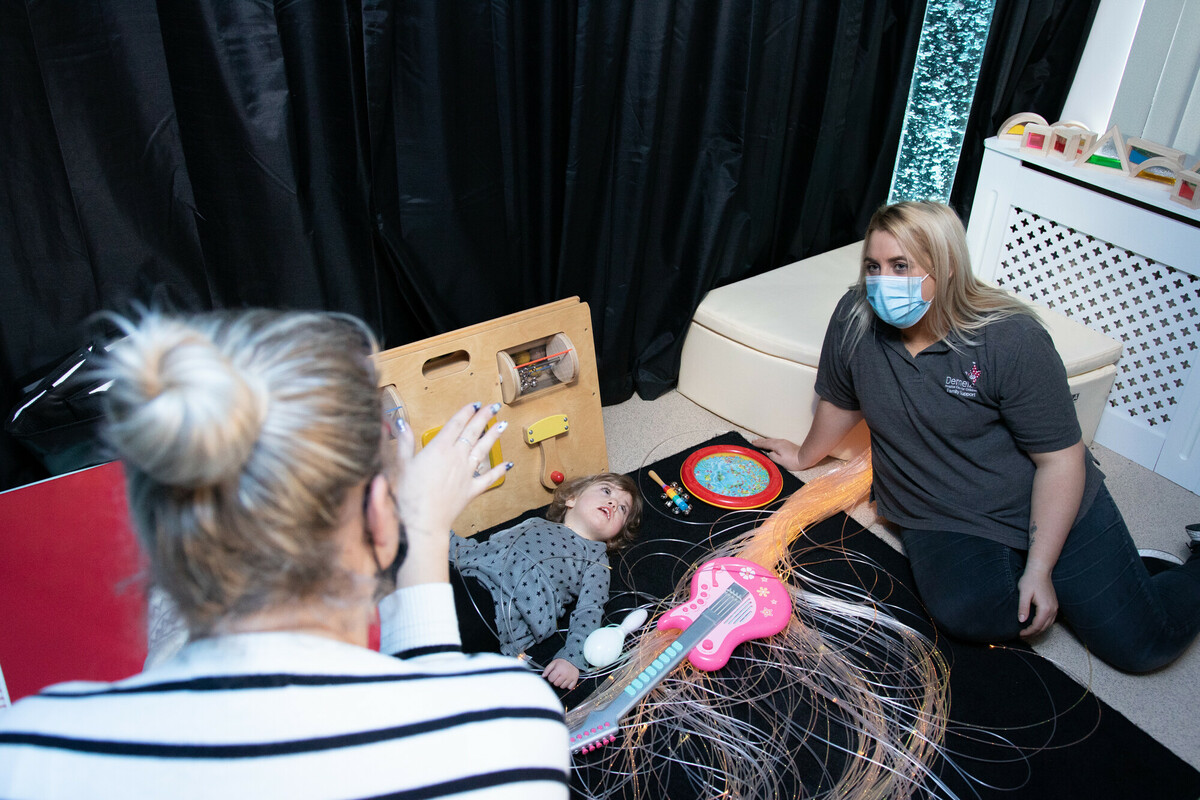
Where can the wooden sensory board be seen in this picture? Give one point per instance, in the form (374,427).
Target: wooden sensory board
(435,377)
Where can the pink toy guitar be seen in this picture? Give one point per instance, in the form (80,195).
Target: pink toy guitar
(731,600)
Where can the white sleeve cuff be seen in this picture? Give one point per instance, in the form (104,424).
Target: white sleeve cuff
(418,617)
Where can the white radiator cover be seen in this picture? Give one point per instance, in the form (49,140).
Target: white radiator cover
(1153,308)
(1115,254)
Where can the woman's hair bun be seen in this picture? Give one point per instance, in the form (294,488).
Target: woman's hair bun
(180,409)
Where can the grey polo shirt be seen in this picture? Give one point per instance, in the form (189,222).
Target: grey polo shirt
(950,430)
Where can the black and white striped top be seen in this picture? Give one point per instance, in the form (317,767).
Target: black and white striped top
(299,716)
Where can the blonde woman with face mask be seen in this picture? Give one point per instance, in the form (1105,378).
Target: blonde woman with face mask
(977,454)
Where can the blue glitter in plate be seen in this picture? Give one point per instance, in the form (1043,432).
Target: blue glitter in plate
(732,475)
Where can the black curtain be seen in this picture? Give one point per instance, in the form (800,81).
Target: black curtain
(434,163)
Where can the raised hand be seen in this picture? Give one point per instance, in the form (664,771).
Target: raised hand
(433,486)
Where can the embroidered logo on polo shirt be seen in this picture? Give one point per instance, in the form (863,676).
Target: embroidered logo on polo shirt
(964,388)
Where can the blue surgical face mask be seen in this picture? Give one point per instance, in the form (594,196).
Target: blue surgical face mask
(897,299)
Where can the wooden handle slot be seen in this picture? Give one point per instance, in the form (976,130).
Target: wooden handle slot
(448,364)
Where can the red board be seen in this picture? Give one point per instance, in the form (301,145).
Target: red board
(731,477)
(72,588)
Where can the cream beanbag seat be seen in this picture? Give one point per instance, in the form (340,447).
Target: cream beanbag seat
(752,350)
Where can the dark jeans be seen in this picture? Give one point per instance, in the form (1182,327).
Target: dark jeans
(1124,616)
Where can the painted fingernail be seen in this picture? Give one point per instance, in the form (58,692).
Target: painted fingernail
(495,408)
(476,405)
(500,426)
(508,465)
(401,426)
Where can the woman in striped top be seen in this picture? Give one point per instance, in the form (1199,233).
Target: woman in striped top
(275,510)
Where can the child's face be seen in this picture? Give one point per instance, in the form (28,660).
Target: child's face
(599,512)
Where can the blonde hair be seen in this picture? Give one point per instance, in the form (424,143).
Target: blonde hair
(241,434)
(571,489)
(931,235)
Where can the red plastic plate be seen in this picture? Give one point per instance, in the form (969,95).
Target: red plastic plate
(729,476)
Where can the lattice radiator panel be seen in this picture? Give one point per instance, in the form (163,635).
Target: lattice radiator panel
(1153,308)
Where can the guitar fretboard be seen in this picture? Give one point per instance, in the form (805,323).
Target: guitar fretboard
(732,600)
(723,609)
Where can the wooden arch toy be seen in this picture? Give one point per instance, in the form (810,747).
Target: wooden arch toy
(1013,128)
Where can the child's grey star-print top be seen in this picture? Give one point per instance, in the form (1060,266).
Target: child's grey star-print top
(533,571)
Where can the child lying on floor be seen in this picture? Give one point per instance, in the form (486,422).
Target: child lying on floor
(511,589)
